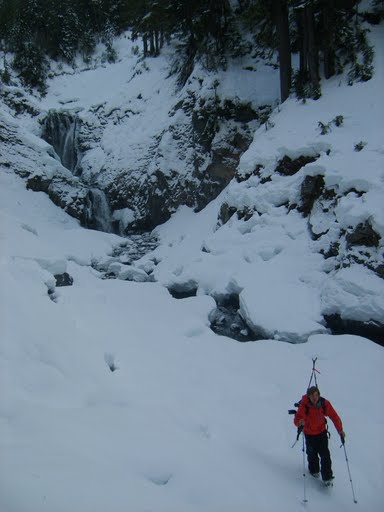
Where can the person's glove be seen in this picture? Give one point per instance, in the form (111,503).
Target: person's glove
(342,436)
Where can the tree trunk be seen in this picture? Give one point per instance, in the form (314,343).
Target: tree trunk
(329,36)
(282,26)
(299,13)
(312,53)
(151,43)
(145,45)
(157,45)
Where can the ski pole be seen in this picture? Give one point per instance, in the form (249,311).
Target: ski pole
(304,481)
(349,472)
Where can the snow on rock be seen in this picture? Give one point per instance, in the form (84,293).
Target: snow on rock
(127,272)
(302,205)
(147,143)
(117,386)
(187,420)
(355,293)
(281,310)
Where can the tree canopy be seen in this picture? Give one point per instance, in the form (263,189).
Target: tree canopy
(327,34)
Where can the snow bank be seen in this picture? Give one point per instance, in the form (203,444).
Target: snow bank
(190,421)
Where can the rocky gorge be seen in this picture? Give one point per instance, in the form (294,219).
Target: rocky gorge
(125,165)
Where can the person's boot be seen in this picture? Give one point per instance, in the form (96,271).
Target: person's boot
(328,483)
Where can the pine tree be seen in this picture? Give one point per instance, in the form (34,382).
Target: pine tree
(5,75)
(32,66)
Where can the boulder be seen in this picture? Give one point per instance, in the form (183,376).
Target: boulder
(363,234)
(311,189)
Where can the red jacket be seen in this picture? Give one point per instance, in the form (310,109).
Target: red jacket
(314,416)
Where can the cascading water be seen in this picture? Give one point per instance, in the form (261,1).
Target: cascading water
(60,130)
(98,211)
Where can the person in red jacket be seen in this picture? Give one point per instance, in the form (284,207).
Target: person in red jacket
(311,416)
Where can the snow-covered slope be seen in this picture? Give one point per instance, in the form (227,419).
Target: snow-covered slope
(188,420)
(295,264)
(296,237)
(130,130)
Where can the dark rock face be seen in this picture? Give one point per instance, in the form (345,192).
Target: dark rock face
(183,291)
(38,183)
(205,124)
(372,330)
(256,172)
(209,149)
(245,213)
(363,234)
(311,189)
(243,112)
(182,294)
(153,199)
(63,279)
(223,165)
(226,212)
(332,251)
(288,167)
(226,320)
(70,196)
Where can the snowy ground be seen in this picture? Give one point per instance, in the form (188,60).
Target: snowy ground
(137,99)
(286,285)
(189,421)
(271,258)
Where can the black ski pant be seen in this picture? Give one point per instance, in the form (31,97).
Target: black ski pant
(318,446)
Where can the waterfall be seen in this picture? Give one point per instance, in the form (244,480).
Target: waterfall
(98,212)
(60,130)
(69,156)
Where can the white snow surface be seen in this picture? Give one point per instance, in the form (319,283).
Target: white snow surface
(286,285)
(190,421)
(137,98)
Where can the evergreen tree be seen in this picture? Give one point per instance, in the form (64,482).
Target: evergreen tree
(378,11)
(327,34)
(32,66)
(5,75)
